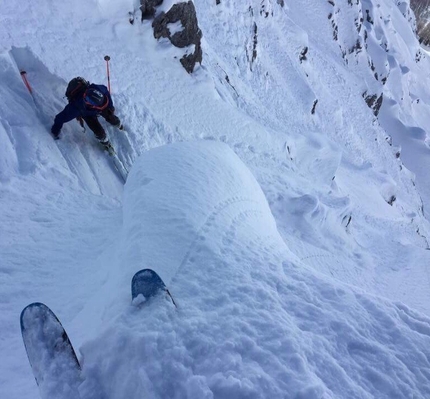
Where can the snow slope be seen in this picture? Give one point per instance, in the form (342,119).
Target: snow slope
(280,234)
(252,321)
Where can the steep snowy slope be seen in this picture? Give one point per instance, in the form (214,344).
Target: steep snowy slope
(252,321)
(283,85)
(302,58)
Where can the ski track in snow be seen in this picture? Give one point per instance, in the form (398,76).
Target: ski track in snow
(273,254)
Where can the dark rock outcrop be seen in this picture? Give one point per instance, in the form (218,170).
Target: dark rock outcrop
(421,8)
(373,102)
(148,8)
(188,36)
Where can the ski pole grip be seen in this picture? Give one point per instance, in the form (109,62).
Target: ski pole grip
(27,84)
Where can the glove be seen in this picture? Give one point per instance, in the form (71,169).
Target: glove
(55,132)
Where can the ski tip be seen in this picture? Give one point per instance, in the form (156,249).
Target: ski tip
(147,273)
(28,308)
(147,283)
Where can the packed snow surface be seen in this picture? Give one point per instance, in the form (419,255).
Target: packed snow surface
(289,222)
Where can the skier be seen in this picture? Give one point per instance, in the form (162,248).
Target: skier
(86,102)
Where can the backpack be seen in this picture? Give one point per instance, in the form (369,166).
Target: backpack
(94,99)
(76,87)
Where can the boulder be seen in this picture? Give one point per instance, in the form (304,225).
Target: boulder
(189,35)
(148,8)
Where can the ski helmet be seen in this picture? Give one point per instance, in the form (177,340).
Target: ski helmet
(76,86)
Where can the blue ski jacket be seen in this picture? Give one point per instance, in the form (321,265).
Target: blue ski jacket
(77,108)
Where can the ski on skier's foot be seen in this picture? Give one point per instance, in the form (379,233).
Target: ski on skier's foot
(118,164)
(52,358)
(148,284)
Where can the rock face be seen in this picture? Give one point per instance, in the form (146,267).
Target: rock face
(185,13)
(421,8)
(374,102)
(148,8)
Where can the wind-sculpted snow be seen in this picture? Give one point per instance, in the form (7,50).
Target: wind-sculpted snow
(251,322)
(185,188)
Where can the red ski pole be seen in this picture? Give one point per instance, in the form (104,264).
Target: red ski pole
(24,78)
(107,59)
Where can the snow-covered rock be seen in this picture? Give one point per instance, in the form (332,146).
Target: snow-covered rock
(180,26)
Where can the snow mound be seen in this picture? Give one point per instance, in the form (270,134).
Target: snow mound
(174,196)
(251,322)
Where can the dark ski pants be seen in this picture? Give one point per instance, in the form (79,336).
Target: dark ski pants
(94,124)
